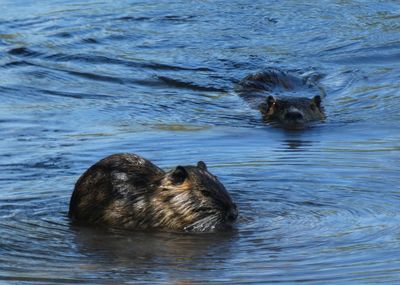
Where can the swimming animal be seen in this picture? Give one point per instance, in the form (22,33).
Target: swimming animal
(127,191)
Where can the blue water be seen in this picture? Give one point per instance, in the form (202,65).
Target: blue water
(82,80)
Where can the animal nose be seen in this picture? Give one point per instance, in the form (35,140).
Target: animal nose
(294,116)
(232,215)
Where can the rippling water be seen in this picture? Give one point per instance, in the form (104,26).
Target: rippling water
(86,79)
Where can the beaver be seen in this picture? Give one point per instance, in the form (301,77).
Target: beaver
(129,192)
(290,112)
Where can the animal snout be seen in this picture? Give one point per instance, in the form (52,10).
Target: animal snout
(294,116)
(232,214)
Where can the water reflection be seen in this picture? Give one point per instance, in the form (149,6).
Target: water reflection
(157,79)
(141,253)
(296,144)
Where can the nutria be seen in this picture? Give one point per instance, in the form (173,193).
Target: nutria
(290,112)
(127,191)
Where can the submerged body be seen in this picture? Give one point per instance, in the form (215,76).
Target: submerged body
(128,191)
(289,112)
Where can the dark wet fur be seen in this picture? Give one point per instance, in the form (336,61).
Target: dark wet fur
(291,112)
(127,191)
(264,91)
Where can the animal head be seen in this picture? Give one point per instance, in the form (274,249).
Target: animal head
(194,200)
(292,112)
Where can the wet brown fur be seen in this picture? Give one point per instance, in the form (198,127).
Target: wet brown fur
(263,90)
(301,110)
(127,191)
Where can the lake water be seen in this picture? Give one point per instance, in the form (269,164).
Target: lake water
(86,79)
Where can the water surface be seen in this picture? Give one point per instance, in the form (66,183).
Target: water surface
(83,80)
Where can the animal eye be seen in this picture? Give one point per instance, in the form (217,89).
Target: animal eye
(203,209)
(207,193)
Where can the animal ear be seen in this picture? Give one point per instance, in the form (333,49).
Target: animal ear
(317,101)
(179,175)
(202,165)
(271,100)
(266,107)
